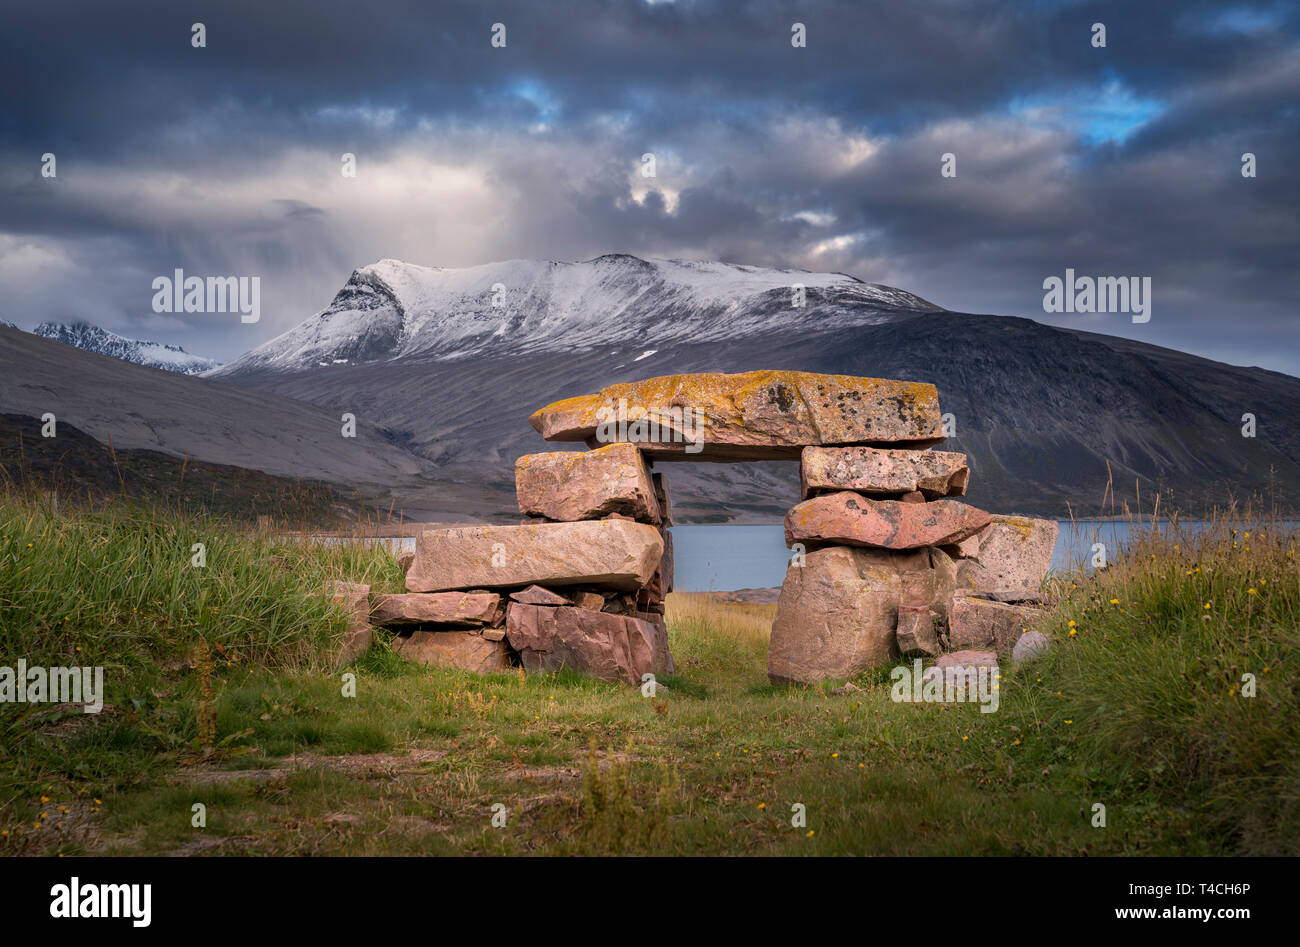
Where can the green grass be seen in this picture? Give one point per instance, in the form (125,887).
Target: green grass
(1152,684)
(1158,729)
(121,587)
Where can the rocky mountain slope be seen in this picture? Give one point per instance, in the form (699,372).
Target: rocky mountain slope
(1049,416)
(75,467)
(393,310)
(83,335)
(142,408)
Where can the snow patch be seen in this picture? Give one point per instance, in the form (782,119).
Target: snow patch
(391,310)
(83,335)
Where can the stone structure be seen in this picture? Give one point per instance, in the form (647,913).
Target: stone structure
(886,561)
(967,581)
(943,575)
(763,415)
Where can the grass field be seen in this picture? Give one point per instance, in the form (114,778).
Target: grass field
(1140,709)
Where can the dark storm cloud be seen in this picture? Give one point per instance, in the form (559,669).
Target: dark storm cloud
(88,69)
(1115,161)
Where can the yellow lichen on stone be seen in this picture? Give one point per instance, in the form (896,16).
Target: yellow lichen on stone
(1021,525)
(752,410)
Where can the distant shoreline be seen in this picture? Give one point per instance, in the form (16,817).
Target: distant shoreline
(410,529)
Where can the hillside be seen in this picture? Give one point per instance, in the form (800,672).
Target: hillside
(1047,415)
(83,335)
(143,408)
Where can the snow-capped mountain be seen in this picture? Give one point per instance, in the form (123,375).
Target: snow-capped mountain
(83,335)
(391,309)
(428,355)
(443,381)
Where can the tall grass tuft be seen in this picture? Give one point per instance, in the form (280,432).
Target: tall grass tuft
(1145,696)
(618,816)
(119,586)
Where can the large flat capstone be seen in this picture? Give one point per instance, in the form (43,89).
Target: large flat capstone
(617,553)
(762,415)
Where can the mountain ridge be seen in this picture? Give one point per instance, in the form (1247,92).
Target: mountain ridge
(138,407)
(391,309)
(1052,419)
(92,338)
(1048,415)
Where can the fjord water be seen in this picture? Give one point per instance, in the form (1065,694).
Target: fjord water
(723,558)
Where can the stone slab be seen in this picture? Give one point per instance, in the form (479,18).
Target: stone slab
(600,644)
(848,518)
(462,609)
(463,650)
(586,485)
(760,415)
(981,623)
(918,474)
(617,553)
(1011,558)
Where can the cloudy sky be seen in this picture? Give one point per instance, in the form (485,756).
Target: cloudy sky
(1115,161)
